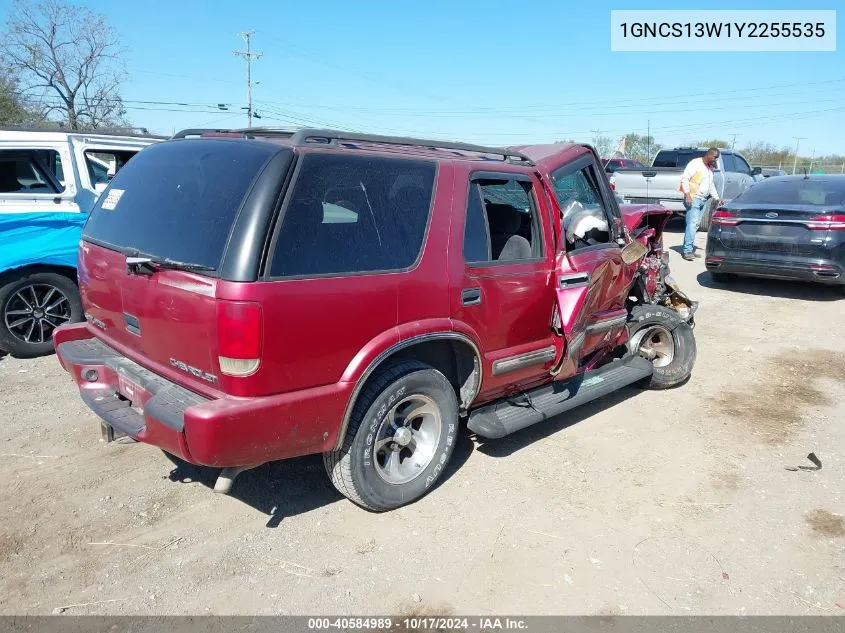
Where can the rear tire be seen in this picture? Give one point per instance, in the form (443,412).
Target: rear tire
(401,435)
(20,307)
(660,332)
(704,225)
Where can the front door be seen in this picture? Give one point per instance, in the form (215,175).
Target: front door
(507,279)
(591,283)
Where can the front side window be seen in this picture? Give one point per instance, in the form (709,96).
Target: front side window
(26,171)
(741,165)
(585,215)
(349,213)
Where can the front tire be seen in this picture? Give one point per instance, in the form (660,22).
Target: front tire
(32,306)
(660,334)
(401,435)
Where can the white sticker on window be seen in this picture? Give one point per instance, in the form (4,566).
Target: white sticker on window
(112,199)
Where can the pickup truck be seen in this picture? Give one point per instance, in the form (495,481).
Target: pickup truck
(362,297)
(49,181)
(658,184)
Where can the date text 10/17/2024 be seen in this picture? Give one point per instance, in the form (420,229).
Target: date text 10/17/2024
(481,624)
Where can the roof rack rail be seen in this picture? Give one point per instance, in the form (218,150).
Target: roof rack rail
(305,136)
(247,132)
(312,135)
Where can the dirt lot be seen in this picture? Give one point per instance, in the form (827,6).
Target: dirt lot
(643,503)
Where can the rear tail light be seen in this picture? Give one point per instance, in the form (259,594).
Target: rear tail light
(724,217)
(238,337)
(834,222)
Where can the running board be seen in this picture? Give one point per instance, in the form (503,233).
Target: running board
(504,417)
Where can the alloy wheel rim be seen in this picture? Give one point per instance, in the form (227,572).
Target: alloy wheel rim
(407,439)
(656,344)
(33,312)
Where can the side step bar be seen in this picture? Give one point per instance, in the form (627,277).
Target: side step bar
(504,417)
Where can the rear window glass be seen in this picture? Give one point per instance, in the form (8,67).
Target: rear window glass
(821,193)
(676,158)
(349,213)
(178,200)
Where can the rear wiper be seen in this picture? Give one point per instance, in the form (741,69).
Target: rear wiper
(146,265)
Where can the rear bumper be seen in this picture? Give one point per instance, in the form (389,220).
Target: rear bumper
(759,265)
(211,432)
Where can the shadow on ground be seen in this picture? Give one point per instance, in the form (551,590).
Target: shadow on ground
(289,487)
(774,288)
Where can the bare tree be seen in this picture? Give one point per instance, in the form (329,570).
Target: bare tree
(67,57)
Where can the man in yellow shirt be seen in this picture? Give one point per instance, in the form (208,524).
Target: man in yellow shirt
(698,187)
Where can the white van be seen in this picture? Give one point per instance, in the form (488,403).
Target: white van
(49,181)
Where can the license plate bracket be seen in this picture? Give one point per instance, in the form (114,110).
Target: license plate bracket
(130,390)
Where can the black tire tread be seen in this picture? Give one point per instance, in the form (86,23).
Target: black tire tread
(339,463)
(11,344)
(656,382)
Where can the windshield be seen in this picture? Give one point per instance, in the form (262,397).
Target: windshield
(178,200)
(795,191)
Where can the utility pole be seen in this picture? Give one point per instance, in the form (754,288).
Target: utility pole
(812,160)
(733,142)
(248,56)
(798,140)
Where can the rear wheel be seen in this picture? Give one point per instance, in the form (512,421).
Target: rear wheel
(32,307)
(661,335)
(400,437)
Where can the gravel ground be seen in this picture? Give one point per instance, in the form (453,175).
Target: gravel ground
(675,502)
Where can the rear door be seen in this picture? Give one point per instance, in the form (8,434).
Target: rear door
(505,287)
(591,284)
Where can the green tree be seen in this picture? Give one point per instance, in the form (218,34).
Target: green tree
(641,148)
(15,110)
(715,142)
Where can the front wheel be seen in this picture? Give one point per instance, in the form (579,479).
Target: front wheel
(32,306)
(661,335)
(401,435)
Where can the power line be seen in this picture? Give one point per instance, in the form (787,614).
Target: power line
(248,56)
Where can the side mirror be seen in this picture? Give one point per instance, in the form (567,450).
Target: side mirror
(756,171)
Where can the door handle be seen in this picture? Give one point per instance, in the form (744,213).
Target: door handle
(471,296)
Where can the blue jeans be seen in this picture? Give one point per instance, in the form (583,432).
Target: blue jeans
(694,213)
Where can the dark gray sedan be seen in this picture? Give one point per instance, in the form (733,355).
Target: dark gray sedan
(784,227)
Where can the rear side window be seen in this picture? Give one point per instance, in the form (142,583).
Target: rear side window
(349,213)
(178,200)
